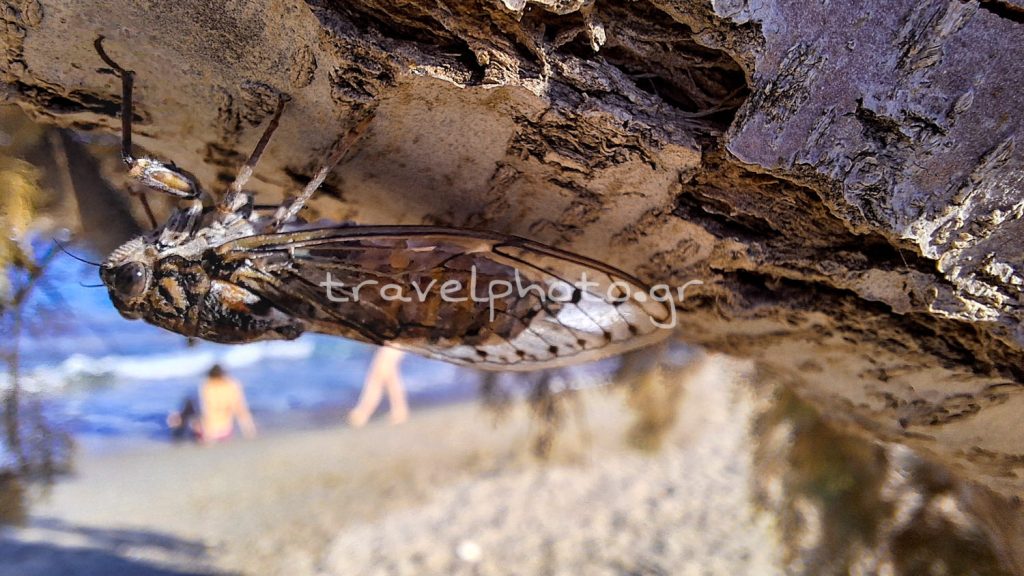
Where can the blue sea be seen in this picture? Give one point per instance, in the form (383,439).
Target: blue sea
(107,379)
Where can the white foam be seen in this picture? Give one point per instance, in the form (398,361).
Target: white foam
(151,367)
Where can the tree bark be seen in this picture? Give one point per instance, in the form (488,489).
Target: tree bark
(845,181)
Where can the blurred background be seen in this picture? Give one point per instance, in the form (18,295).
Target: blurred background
(665,461)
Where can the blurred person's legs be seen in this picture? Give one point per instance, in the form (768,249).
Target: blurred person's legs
(382,376)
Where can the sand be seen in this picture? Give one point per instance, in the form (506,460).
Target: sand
(450,492)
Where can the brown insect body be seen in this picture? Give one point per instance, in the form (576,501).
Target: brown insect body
(234,274)
(181,289)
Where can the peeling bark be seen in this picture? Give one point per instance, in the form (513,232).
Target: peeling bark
(845,181)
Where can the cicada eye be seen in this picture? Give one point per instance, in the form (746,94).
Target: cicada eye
(130,280)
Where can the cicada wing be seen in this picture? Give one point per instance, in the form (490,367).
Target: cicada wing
(475,298)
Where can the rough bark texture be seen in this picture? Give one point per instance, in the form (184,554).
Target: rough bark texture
(846,181)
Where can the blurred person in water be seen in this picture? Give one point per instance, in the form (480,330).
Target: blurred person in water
(383,375)
(184,423)
(221,403)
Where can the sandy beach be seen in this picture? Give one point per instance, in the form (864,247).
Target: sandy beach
(450,492)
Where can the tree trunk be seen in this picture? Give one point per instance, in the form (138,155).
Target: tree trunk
(845,181)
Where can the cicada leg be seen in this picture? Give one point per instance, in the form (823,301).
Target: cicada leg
(290,209)
(152,173)
(236,198)
(127,82)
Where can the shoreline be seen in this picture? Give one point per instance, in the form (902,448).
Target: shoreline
(323,417)
(296,426)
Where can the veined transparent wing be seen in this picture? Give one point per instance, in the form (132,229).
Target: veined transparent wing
(475,298)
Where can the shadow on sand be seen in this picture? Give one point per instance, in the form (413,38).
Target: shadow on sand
(49,546)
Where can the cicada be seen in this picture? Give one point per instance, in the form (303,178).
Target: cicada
(236,274)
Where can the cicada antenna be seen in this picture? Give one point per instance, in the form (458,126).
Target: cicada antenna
(79,258)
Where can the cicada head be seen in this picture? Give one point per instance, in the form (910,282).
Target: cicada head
(128,275)
(185,292)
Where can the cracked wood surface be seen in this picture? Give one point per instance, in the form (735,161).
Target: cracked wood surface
(846,182)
